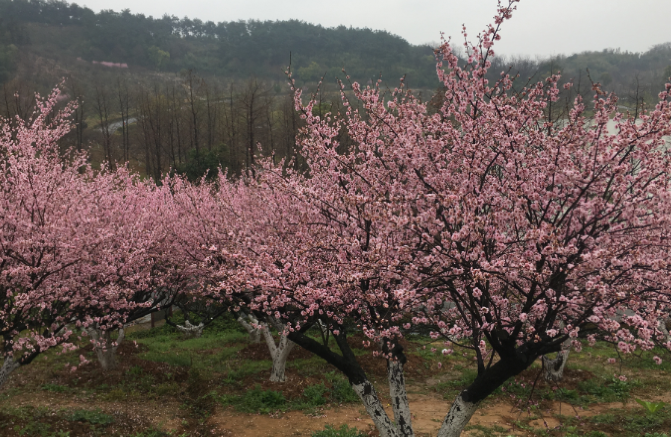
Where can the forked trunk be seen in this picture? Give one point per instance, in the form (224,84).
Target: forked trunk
(488,380)
(191,330)
(279,354)
(254,333)
(553,370)
(280,361)
(375,410)
(8,366)
(105,347)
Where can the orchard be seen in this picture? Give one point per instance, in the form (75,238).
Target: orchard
(484,225)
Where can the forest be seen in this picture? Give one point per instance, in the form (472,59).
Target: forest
(168,93)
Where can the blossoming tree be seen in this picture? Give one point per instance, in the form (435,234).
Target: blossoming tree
(77,246)
(48,230)
(505,232)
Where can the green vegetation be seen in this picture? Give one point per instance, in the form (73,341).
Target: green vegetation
(95,417)
(223,371)
(56,29)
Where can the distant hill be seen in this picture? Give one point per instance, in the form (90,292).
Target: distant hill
(168,94)
(73,36)
(70,33)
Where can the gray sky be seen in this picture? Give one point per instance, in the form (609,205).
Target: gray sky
(539,27)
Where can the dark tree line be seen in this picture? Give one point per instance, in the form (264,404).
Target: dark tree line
(231,49)
(184,123)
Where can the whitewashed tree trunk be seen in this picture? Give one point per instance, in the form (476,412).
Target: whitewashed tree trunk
(104,347)
(191,330)
(553,370)
(8,366)
(279,354)
(457,418)
(399,398)
(254,333)
(665,332)
(375,410)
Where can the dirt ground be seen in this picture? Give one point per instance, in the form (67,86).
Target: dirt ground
(146,397)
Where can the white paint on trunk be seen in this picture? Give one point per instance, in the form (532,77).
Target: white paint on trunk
(191,330)
(553,370)
(458,417)
(664,330)
(104,347)
(375,410)
(254,333)
(8,366)
(399,398)
(279,353)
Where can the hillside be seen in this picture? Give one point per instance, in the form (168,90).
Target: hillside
(168,93)
(71,34)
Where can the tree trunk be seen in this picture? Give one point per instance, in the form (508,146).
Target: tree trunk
(254,333)
(279,354)
(375,410)
(8,366)
(191,330)
(553,370)
(105,348)
(514,362)
(458,417)
(399,398)
(664,330)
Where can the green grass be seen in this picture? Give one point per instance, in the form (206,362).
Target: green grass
(256,400)
(448,388)
(56,388)
(343,431)
(341,391)
(177,351)
(94,417)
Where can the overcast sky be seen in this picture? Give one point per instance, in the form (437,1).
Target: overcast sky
(539,27)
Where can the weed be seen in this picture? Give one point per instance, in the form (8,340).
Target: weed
(314,394)
(468,375)
(198,399)
(643,423)
(606,391)
(603,419)
(34,429)
(94,417)
(135,371)
(651,407)
(55,388)
(341,390)
(343,431)
(256,400)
